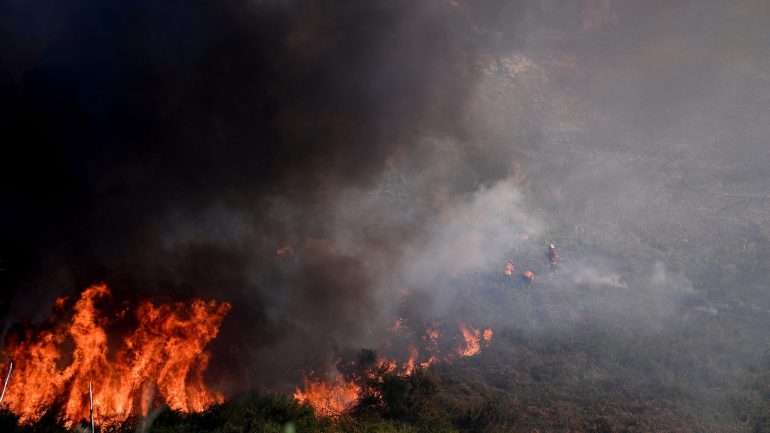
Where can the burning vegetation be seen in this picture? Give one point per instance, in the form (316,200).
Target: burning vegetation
(363,377)
(473,340)
(330,398)
(162,361)
(310,160)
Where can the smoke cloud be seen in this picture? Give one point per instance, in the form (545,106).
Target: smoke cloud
(310,162)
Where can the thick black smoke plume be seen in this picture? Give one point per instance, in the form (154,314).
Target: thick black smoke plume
(170,149)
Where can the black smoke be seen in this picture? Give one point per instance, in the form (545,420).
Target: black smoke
(171,148)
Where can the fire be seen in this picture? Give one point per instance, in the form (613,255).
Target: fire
(473,339)
(384,366)
(329,398)
(333,398)
(164,356)
(408,368)
(487,335)
(428,362)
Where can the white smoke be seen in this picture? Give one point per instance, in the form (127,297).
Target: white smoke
(472,234)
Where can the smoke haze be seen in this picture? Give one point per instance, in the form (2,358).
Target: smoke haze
(328,167)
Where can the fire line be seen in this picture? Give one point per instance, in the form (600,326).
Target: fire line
(162,361)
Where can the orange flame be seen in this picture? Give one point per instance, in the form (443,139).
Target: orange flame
(427,363)
(384,366)
(408,368)
(333,398)
(166,353)
(473,338)
(329,399)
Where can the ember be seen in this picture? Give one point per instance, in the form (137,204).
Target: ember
(165,355)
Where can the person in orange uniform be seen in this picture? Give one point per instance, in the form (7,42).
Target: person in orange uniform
(528,277)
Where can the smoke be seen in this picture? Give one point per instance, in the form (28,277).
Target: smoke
(309,162)
(172,150)
(473,234)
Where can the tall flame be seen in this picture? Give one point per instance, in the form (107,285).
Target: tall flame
(164,356)
(408,367)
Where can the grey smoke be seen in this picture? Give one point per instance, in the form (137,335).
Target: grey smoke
(392,146)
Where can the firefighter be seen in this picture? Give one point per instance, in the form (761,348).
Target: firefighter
(553,256)
(508,279)
(510,268)
(528,277)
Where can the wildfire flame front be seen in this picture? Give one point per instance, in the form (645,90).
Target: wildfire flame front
(166,352)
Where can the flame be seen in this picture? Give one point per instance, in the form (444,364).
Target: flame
(428,362)
(384,366)
(329,398)
(165,355)
(335,397)
(487,335)
(473,338)
(408,368)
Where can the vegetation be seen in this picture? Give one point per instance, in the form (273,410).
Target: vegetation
(694,371)
(516,387)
